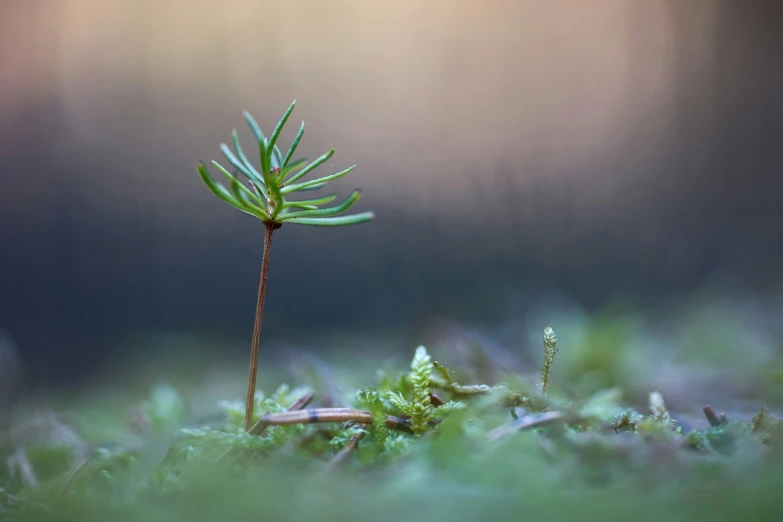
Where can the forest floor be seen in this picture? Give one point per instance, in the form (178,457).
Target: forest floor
(487,433)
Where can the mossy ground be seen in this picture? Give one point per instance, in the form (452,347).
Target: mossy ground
(597,448)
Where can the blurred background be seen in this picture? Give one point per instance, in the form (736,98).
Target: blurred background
(527,162)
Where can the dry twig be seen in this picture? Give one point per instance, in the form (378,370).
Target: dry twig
(260,426)
(436,400)
(311,416)
(399,424)
(347,451)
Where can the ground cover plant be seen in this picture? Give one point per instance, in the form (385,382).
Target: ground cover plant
(420,443)
(436,440)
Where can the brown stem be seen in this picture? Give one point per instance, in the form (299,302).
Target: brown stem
(313,416)
(260,426)
(437,400)
(302,402)
(399,424)
(347,451)
(251,379)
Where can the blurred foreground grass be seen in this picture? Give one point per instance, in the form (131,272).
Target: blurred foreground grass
(133,447)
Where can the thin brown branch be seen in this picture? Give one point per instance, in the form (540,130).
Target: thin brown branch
(313,415)
(251,380)
(529,421)
(260,426)
(399,424)
(436,400)
(347,450)
(302,402)
(404,423)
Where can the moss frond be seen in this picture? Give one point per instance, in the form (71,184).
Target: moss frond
(371,401)
(421,410)
(765,427)
(550,349)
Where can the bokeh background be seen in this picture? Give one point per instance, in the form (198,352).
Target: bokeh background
(526,160)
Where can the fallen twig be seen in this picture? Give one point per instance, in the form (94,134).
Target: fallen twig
(399,424)
(346,452)
(302,402)
(312,415)
(260,426)
(436,400)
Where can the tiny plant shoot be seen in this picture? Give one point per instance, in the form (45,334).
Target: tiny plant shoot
(550,349)
(267,198)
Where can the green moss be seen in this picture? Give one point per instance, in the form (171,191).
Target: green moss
(599,459)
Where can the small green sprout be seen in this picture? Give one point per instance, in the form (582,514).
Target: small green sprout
(421,410)
(550,349)
(267,198)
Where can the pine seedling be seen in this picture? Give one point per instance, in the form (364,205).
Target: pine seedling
(267,198)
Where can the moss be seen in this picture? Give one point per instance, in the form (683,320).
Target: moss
(557,456)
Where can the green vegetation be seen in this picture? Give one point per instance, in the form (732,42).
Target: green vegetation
(415,444)
(426,444)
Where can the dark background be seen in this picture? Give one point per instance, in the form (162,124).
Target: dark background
(509,148)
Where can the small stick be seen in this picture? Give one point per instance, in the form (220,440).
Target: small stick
(436,400)
(313,415)
(526,422)
(251,379)
(260,426)
(404,423)
(346,452)
(399,424)
(302,402)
